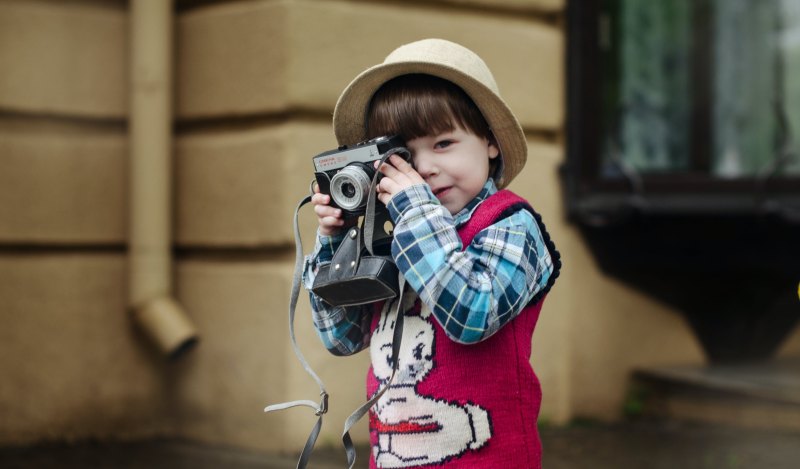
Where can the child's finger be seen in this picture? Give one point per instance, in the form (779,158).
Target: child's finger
(400,163)
(327,211)
(331,222)
(320,199)
(387,185)
(388,170)
(384,197)
(330,226)
(406,169)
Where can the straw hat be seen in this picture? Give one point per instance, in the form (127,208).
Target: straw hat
(443,59)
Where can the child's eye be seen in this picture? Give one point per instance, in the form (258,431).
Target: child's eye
(443,143)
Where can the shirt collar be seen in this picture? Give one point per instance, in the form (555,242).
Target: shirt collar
(465,213)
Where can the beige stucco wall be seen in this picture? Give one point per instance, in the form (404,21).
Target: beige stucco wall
(255,86)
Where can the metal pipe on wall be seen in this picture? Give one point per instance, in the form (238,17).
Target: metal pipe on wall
(150,179)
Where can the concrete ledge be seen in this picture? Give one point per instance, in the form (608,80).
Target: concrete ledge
(63,58)
(241,187)
(759,395)
(244,360)
(532,6)
(73,367)
(535,6)
(63,186)
(254,58)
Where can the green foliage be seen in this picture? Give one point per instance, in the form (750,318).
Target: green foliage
(635,401)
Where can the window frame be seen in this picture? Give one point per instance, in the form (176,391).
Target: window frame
(673,192)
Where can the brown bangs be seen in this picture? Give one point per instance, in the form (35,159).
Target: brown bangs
(418,105)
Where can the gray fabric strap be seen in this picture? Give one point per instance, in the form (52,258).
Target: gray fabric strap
(369,230)
(358,413)
(322,407)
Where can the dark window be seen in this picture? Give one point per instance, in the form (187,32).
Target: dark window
(686,96)
(683,158)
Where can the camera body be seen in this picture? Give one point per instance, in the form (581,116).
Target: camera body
(346,173)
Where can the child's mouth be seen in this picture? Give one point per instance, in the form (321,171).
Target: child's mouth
(441,192)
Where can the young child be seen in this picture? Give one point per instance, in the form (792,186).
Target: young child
(477,260)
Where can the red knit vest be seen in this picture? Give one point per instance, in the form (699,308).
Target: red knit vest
(454,405)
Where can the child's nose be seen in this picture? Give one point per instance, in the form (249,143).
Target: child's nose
(425,166)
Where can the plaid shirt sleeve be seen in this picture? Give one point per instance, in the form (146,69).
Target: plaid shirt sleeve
(472,293)
(343,330)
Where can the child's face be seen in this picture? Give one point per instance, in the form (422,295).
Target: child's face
(454,164)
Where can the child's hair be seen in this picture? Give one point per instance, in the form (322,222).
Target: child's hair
(419,105)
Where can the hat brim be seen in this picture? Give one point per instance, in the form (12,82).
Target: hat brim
(349,116)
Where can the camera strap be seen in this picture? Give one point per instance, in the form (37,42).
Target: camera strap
(397,337)
(322,408)
(369,221)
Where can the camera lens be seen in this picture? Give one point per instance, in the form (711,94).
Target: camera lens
(350,187)
(348,190)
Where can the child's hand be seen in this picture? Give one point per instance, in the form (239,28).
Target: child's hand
(397,176)
(329,218)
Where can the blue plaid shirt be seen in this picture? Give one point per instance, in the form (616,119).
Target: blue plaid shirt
(472,292)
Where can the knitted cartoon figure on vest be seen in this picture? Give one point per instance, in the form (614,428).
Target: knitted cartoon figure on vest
(410,427)
(476,259)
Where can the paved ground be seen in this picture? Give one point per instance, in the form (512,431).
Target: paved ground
(632,445)
(657,445)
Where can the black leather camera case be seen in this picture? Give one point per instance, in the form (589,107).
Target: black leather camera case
(355,277)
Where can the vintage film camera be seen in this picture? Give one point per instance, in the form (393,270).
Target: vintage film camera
(362,270)
(346,172)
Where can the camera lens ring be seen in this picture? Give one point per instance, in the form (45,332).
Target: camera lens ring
(353,180)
